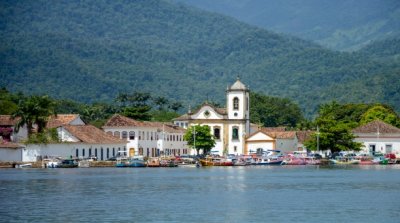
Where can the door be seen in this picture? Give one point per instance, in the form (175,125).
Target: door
(131,152)
(372,149)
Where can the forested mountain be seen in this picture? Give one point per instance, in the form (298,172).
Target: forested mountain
(387,50)
(337,24)
(92,50)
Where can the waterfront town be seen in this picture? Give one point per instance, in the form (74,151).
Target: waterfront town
(127,142)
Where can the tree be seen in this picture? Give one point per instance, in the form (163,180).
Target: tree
(175,106)
(160,102)
(334,130)
(382,113)
(34,110)
(199,137)
(273,111)
(138,113)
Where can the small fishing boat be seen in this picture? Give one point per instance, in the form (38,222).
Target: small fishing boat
(168,163)
(344,161)
(67,163)
(216,161)
(294,161)
(153,162)
(135,161)
(24,165)
(269,161)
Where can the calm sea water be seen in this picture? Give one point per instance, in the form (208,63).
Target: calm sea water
(218,194)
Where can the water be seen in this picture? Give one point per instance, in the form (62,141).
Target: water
(218,194)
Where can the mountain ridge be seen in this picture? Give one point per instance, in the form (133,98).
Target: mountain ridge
(92,50)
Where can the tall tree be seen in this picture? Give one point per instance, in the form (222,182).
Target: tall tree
(334,130)
(34,110)
(383,113)
(273,111)
(200,138)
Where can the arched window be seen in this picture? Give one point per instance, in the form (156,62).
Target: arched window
(235,132)
(116,134)
(217,132)
(236,103)
(124,135)
(132,135)
(110,133)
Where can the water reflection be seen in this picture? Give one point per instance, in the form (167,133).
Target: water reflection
(253,194)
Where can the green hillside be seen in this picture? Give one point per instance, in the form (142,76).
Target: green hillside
(336,24)
(92,50)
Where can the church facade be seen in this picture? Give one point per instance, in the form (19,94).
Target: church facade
(229,125)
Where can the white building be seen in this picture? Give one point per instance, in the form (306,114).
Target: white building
(150,139)
(77,140)
(378,137)
(229,125)
(264,139)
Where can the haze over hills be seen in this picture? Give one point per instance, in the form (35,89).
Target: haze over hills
(340,24)
(92,50)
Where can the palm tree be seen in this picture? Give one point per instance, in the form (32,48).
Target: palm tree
(34,110)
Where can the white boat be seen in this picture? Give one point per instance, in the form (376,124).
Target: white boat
(25,165)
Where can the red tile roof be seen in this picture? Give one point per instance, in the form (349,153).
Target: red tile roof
(282,135)
(375,126)
(91,134)
(9,145)
(122,121)
(61,119)
(7,120)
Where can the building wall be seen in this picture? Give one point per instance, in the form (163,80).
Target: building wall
(382,144)
(150,141)
(65,150)
(66,136)
(9,154)
(286,145)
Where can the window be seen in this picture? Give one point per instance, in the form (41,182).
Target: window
(101,154)
(235,132)
(110,133)
(90,152)
(77,153)
(108,153)
(83,152)
(95,152)
(132,135)
(217,132)
(388,148)
(235,149)
(236,103)
(116,134)
(124,135)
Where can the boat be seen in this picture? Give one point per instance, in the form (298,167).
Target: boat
(269,161)
(168,163)
(216,161)
(153,162)
(24,165)
(67,163)
(344,161)
(135,161)
(294,161)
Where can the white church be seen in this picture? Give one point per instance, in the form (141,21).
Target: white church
(229,125)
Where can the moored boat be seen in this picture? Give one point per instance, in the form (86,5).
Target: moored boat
(344,161)
(67,163)
(135,161)
(153,162)
(216,161)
